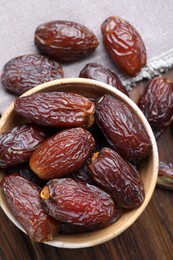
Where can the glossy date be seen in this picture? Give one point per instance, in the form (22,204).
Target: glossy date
(68,228)
(23,198)
(157,104)
(99,72)
(56,109)
(118,178)
(166,170)
(18,144)
(25,171)
(122,128)
(124,45)
(25,72)
(62,153)
(65,40)
(76,202)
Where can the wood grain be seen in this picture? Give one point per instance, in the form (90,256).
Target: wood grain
(150,237)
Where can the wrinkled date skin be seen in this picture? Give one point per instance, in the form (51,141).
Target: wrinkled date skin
(99,72)
(62,154)
(118,178)
(66,228)
(56,109)
(25,171)
(124,45)
(123,130)
(23,198)
(75,202)
(18,144)
(25,72)
(157,104)
(166,170)
(65,41)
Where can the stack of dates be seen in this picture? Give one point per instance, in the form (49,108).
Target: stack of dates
(73,166)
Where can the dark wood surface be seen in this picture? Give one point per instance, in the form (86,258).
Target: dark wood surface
(150,237)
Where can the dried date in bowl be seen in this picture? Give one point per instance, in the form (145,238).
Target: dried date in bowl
(148,167)
(56,109)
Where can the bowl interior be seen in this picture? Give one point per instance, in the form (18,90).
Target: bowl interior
(148,170)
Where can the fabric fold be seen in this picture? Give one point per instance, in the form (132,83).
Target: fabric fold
(154,67)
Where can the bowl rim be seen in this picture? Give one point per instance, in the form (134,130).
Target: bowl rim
(87,239)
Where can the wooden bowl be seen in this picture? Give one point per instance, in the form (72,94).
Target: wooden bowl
(149,166)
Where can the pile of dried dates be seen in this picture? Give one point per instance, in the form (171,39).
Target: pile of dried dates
(74,165)
(59,176)
(66,41)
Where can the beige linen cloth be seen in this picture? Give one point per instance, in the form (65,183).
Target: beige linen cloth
(153,20)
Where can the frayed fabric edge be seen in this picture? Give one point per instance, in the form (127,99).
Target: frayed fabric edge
(155,66)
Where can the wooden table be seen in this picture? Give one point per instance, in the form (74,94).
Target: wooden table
(150,237)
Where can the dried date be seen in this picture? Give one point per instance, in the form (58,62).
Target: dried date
(65,40)
(166,170)
(25,72)
(118,178)
(99,72)
(157,104)
(122,128)
(25,171)
(18,144)
(56,109)
(165,175)
(62,153)
(76,202)
(124,45)
(66,228)
(23,198)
